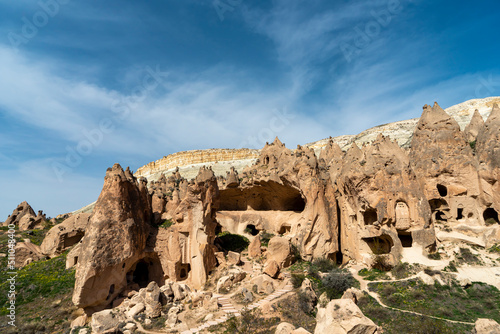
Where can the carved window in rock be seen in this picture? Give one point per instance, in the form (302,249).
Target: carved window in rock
(402,216)
(370,216)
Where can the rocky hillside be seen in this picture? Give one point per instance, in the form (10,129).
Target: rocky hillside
(221,160)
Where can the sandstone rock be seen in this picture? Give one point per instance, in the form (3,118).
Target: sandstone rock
(300,330)
(352,294)
(472,129)
(486,326)
(310,296)
(115,241)
(342,316)
(247,295)
(152,300)
(272,269)
(80,321)
(65,235)
(284,328)
(280,251)
(233,258)
(382,209)
(26,252)
(105,320)
(22,210)
(254,249)
(135,310)
(73,254)
(428,280)
(264,284)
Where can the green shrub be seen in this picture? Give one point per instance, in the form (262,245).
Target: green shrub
(451,267)
(336,282)
(466,256)
(381,263)
(166,223)
(297,280)
(248,323)
(494,249)
(265,237)
(490,221)
(233,242)
(472,145)
(434,256)
(402,270)
(324,265)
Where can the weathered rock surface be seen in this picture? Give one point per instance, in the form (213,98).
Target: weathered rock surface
(342,316)
(486,326)
(61,237)
(27,252)
(115,240)
(23,209)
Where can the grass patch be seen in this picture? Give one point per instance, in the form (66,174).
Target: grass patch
(444,301)
(45,278)
(233,242)
(403,270)
(466,256)
(373,274)
(396,322)
(434,256)
(494,249)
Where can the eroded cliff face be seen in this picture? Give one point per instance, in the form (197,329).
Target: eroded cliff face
(365,203)
(283,193)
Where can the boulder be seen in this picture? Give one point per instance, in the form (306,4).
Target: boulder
(105,320)
(280,251)
(343,316)
(272,269)
(284,328)
(310,296)
(486,326)
(135,310)
(152,300)
(254,249)
(61,237)
(233,258)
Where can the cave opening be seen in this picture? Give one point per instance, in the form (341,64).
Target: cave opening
(145,271)
(380,245)
(265,196)
(490,216)
(460,213)
(251,229)
(184,271)
(370,216)
(141,274)
(440,216)
(442,190)
(406,239)
(284,229)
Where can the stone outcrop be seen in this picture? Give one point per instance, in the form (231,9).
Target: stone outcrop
(486,326)
(444,162)
(25,218)
(343,316)
(472,129)
(186,249)
(284,194)
(115,241)
(383,208)
(27,252)
(63,236)
(488,153)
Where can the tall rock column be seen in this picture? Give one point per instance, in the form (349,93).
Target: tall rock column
(115,239)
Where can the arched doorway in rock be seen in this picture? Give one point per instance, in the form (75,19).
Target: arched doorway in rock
(405,238)
(145,271)
(251,229)
(490,216)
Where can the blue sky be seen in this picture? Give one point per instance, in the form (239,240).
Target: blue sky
(86,84)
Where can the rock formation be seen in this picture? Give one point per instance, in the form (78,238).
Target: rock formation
(114,246)
(23,210)
(382,206)
(62,236)
(444,162)
(472,129)
(488,153)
